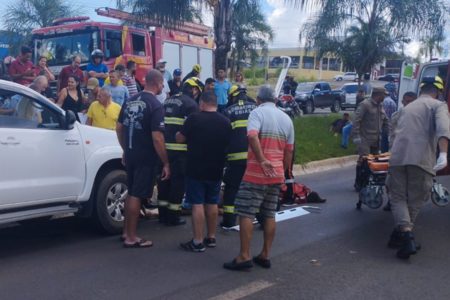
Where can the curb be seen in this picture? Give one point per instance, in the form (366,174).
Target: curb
(325,165)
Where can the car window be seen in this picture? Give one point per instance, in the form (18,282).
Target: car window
(304,88)
(20,111)
(138,44)
(351,89)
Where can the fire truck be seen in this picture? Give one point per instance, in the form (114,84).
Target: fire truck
(145,43)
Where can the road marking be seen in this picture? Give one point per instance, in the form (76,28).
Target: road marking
(244,291)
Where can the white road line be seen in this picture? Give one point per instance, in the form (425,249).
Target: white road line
(244,291)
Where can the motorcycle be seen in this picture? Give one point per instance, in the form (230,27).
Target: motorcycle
(288,105)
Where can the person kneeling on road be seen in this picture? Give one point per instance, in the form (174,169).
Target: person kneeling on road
(423,125)
(207,134)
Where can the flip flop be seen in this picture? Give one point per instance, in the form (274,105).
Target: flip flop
(139,244)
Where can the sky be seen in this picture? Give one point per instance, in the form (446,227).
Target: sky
(286,21)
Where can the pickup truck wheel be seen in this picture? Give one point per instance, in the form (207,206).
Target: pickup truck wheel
(109,202)
(336,106)
(309,107)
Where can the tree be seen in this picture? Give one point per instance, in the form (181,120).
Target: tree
(249,31)
(432,43)
(24,15)
(363,32)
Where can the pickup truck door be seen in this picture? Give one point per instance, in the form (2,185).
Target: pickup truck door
(326,97)
(40,161)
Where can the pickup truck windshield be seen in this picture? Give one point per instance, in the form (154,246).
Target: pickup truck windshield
(59,49)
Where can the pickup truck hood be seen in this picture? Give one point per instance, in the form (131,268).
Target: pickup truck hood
(99,139)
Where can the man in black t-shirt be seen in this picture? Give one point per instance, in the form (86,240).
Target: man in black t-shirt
(140,130)
(207,134)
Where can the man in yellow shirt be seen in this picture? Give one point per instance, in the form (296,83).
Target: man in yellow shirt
(104,112)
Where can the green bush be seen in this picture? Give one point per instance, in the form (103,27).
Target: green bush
(254,73)
(255,81)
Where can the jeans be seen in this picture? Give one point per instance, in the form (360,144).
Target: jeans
(346,130)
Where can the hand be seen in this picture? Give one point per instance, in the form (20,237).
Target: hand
(441,162)
(165,174)
(357,140)
(29,72)
(268,169)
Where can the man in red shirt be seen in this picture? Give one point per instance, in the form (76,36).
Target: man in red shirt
(70,70)
(22,69)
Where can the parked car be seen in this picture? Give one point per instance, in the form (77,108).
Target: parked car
(349,91)
(389,77)
(53,165)
(318,94)
(349,76)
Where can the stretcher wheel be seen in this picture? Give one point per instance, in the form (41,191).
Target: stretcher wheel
(372,196)
(439,195)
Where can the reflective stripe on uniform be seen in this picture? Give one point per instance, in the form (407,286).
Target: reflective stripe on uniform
(176,147)
(228,209)
(173,121)
(239,124)
(163,203)
(237,156)
(175,207)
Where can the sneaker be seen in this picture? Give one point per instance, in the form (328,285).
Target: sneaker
(190,246)
(210,242)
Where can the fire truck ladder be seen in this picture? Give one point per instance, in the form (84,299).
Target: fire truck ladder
(187,27)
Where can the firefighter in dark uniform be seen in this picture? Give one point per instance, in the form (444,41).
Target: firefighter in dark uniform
(171,192)
(238,111)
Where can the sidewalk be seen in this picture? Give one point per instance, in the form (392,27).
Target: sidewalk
(325,165)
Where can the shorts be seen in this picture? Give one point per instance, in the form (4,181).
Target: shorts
(202,191)
(141,179)
(253,198)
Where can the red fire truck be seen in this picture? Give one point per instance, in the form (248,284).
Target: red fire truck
(183,47)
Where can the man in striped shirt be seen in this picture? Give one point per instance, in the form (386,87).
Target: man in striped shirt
(271,139)
(128,78)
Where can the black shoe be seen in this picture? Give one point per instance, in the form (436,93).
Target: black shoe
(191,246)
(387,207)
(396,240)
(235,266)
(210,242)
(228,221)
(173,218)
(409,246)
(162,214)
(262,262)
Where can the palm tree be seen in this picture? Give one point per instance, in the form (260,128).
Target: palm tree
(363,32)
(24,15)
(432,44)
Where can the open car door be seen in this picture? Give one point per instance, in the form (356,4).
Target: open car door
(446,170)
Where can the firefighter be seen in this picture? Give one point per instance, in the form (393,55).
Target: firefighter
(171,192)
(238,112)
(369,121)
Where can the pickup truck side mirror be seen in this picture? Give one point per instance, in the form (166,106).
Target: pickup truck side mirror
(70,120)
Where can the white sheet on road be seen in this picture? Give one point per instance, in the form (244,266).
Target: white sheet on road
(284,215)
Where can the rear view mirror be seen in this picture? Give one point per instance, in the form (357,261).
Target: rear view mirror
(70,120)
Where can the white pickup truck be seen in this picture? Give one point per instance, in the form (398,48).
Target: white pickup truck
(51,165)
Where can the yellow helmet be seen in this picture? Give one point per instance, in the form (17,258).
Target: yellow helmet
(234,91)
(195,82)
(197,68)
(436,81)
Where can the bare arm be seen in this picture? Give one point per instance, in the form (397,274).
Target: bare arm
(288,156)
(49,74)
(89,122)
(443,144)
(119,132)
(62,97)
(160,147)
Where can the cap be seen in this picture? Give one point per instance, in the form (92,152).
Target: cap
(92,83)
(177,72)
(162,61)
(197,68)
(379,90)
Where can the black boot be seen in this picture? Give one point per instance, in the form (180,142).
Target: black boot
(162,211)
(228,221)
(396,240)
(173,218)
(409,245)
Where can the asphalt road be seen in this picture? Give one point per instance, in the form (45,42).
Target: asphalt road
(338,253)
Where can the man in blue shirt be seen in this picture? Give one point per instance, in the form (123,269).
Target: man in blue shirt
(119,93)
(221,88)
(96,68)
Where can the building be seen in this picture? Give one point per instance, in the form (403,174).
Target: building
(305,64)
